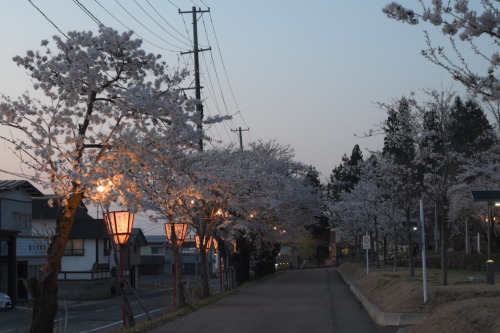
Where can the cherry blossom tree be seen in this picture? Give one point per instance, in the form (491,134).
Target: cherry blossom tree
(102,99)
(472,22)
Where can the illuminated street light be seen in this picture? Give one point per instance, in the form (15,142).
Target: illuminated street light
(119,225)
(491,197)
(207,241)
(180,230)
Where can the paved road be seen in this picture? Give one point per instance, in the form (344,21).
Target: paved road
(309,301)
(89,316)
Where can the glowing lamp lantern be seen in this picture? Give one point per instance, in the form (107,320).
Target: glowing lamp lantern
(215,243)
(208,243)
(119,224)
(180,230)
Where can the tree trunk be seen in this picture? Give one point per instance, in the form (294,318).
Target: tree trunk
(395,249)
(204,273)
(444,253)
(180,299)
(411,266)
(44,287)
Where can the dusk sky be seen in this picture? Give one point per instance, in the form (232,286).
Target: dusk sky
(306,73)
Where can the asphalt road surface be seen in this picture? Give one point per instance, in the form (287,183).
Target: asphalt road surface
(308,301)
(90,316)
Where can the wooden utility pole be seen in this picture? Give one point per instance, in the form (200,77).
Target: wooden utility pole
(195,51)
(241,139)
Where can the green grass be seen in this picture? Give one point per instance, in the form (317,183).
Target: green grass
(391,275)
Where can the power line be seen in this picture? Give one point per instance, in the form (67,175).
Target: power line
(171,26)
(126,27)
(173,4)
(224,68)
(146,27)
(241,136)
(48,19)
(216,74)
(196,50)
(86,11)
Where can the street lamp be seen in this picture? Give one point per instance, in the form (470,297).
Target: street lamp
(207,240)
(176,234)
(179,229)
(119,225)
(491,197)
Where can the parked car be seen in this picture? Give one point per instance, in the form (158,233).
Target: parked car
(5,301)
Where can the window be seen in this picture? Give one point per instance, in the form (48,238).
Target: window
(74,247)
(21,221)
(156,250)
(107,247)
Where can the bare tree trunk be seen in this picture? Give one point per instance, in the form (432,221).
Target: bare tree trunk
(44,287)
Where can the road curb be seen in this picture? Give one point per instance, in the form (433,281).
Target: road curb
(381,317)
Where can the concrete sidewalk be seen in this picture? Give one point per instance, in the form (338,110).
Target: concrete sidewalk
(309,301)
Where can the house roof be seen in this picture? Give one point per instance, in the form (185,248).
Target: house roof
(138,237)
(156,239)
(9,185)
(85,226)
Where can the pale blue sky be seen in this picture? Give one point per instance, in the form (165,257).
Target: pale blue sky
(306,73)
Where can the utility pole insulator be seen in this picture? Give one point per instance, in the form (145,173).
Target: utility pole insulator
(195,51)
(241,137)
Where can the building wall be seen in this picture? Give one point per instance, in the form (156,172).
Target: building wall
(72,263)
(19,203)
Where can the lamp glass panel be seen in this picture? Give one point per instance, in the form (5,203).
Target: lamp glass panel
(180,230)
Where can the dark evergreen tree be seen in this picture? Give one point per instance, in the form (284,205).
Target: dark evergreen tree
(399,140)
(320,230)
(345,176)
(470,129)
(400,148)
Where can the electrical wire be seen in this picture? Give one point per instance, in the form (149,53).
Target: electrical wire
(173,4)
(167,42)
(46,17)
(126,27)
(212,93)
(225,71)
(86,11)
(171,26)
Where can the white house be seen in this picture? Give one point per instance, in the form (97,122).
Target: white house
(87,261)
(17,249)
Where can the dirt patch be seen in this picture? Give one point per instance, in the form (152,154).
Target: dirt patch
(460,306)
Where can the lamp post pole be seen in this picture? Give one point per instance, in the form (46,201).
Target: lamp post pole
(489,230)
(122,285)
(119,226)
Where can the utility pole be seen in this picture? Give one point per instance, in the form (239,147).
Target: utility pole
(195,51)
(241,139)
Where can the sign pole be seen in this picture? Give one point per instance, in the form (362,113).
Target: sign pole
(424,256)
(366,246)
